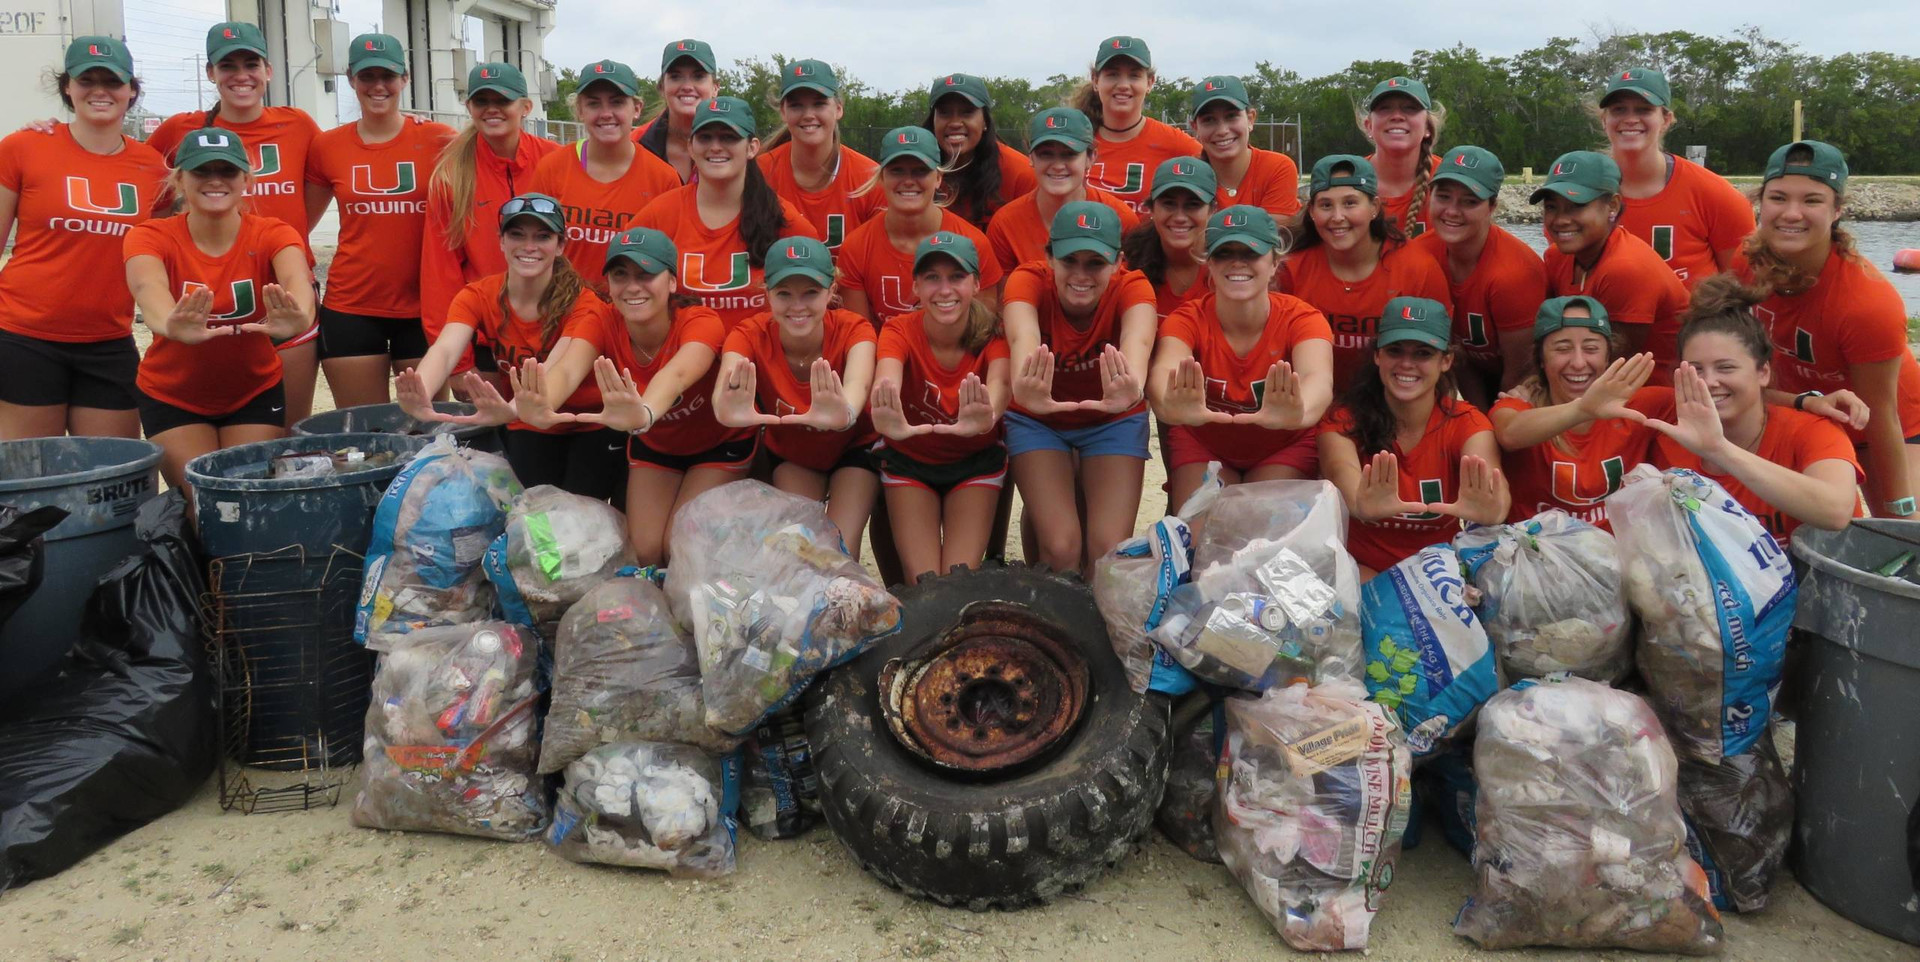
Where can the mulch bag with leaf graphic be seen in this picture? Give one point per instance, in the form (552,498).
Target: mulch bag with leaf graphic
(1428,658)
(1550,596)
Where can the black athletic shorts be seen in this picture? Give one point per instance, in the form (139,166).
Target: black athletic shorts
(267,407)
(363,335)
(986,467)
(87,374)
(735,456)
(588,463)
(855,456)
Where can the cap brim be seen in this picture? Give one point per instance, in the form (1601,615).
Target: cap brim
(1079,146)
(730,125)
(1479,190)
(888,158)
(1424,103)
(809,85)
(220,53)
(1578,193)
(1101,62)
(1074,245)
(1237,103)
(642,261)
(205,159)
(701,62)
(552,222)
(631,91)
(963,95)
(1258,244)
(499,88)
(1418,337)
(383,62)
(1641,92)
(961,262)
(1173,185)
(107,65)
(774,278)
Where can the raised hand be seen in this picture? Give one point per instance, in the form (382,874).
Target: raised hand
(1379,495)
(974,411)
(733,403)
(1281,407)
(828,410)
(1033,385)
(1609,393)
(285,317)
(1120,387)
(889,415)
(490,407)
(621,405)
(1696,424)
(530,395)
(1185,400)
(1842,407)
(188,321)
(1482,498)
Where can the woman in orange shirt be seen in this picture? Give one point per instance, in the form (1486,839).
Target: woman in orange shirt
(941,385)
(376,168)
(805,161)
(217,286)
(1223,118)
(876,262)
(1168,246)
(1411,460)
(67,359)
(1241,374)
(1401,119)
(1130,143)
(800,373)
(960,115)
(689,77)
(1060,144)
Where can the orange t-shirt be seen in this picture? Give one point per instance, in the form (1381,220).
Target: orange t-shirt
(1235,381)
(1502,294)
(445,270)
(515,339)
(1125,167)
(1791,438)
(1396,205)
(1429,474)
(1697,213)
(783,392)
(1019,235)
(1272,183)
(278,142)
(1637,288)
(1166,300)
(1076,349)
(598,211)
(687,427)
(714,266)
(868,262)
(1851,315)
(1016,178)
(1578,473)
(73,211)
(223,374)
(832,210)
(1353,309)
(381,191)
(930,393)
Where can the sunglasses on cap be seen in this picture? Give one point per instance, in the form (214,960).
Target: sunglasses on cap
(528,205)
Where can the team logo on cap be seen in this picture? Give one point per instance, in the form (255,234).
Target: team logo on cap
(1564,168)
(1233,220)
(226,33)
(1053,122)
(599,68)
(1462,160)
(1626,75)
(905,138)
(1395,81)
(715,105)
(213,139)
(1088,221)
(953,80)
(938,239)
(793,253)
(682,45)
(1182,170)
(486,73)
(1211,86)
(93,50)
(1122,43)
(802,70)
(1407,314)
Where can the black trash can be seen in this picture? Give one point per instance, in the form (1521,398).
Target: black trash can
(389,419)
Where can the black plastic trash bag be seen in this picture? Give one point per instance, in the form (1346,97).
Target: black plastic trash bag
(125,733)
(22,564)
(1739,820)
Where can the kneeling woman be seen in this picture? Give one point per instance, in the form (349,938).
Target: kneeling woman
(1411,459)
(217,287)
(1241,375)
(808,366)
(940,387)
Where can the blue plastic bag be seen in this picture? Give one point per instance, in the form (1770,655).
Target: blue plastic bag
(1428,658)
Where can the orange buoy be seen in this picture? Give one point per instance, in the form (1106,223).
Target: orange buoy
(1907,260)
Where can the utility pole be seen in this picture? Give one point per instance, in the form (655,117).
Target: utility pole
(197,75)
(1798,123)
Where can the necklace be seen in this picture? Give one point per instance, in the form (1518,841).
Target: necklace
(1122,130)
(1754,445)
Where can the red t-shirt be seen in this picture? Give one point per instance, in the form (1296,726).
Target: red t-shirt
(1792,438)
(221,375)
(73,211)
(1502,294)
(930,393)
(515,339)
(1397,205)
(278,142)
(1637,288)
(832,210)
(714,266)
(1697,213)
(1019,235)
(783,392)
(1076,349)
(1166,300)
(445,269)
(1125,167)
(381,191)
(1577,472)
(687,427)
(1272,183)
(597,211)
(869,263)
(1353,309)
(1429,474)
(1235,381)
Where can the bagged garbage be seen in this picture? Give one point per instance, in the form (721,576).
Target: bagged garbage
(1715,596)
(1550,597)
(780,789)
(1243,640)
(1739,821)
(647,805)
(1580,841)
(430,534)
(450,735)
(1314,789)
(558,547)
(1428,658)
(624,672)
(1133,586)
(765,583)
(22,566)
(1185,815)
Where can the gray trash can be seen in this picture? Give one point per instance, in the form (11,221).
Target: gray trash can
(1856,775)
(389,419)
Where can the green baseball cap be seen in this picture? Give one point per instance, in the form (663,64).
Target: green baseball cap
(375,50)
(613,72)
(1243,224)
(208,145)
(697,51)
(964,84)
(809,75)
(504,79)
(1132,48)
(1221,87)
(1645,81)
(946,243)
(1825,164)
(1361,175)
(540,207)
(737,114)
(1060,125)
(1474,167)
(1185,173)
(86,53)
(1085,226)
(1553,316)
(1414,319)
(650,250)
(1581,176)
(232,35)
(909,142)
(1406,86)
(799,255)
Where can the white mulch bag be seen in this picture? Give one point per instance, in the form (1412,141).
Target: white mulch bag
(647,805)
(1133,586)
(1550,596)
(1428,658)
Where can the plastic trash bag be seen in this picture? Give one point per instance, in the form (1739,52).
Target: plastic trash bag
(450,735)
(780,789)
(1185,815)
(431,531)
(1715,596)
(623,672)
(1580,839)
(1550,597)
(1428,658)
(1314,790)
(1133,586)
(559,546)
(1243,640)
(647,805)
(1739,822)
(22,565)
(764,581)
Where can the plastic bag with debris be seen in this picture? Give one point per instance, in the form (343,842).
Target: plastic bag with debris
(430,533)
(1314,789)
(647,805)
(1185,815)
(763,580)
(1580,842)
(450,744)
(624,672)
(1134,583)
(1715,596)
(1739,821)
(1428,658)
(558,546)
(1551,598)
(779,787)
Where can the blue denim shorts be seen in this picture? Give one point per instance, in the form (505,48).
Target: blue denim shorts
(1126,436)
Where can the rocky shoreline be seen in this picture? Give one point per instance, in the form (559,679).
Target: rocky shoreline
(1867,200)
